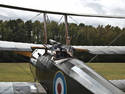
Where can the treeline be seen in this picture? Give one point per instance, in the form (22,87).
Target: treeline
(80,34)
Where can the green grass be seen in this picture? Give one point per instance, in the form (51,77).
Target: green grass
(15,72)
(111,71)
(21,71)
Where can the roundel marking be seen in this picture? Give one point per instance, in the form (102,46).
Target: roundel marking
(59,83)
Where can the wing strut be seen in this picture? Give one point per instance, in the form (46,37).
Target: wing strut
(45,28)
(66,32)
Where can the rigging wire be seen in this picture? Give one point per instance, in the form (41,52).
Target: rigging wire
(22,68)
(30,65)
(27,20)
(34,77)
(48,19)
(35,16)
(70,17)
(74,19)
(60,20)
(93,58)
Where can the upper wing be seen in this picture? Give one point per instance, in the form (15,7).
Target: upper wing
(101,49)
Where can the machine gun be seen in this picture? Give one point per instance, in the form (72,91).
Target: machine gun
(44,57)
(58,50)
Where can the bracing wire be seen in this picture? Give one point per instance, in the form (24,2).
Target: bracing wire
(60,19)
(28,19)
(34,77)
(107,47)
(73,19)
(22,68)
(30,74)
(69,14)
(35,16)
(48,19)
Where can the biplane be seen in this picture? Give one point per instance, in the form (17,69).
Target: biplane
(57,71)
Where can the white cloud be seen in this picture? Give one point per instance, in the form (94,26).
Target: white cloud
(100,7)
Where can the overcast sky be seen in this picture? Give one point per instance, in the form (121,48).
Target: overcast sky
(99,7)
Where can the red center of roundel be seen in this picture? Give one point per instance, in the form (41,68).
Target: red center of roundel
(59,88)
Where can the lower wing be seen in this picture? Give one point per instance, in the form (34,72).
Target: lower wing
(19,48)
(101,49)
(21,88)
(24,48)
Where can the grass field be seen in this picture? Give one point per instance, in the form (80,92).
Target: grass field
(15,72)
(21,71)
(111,71)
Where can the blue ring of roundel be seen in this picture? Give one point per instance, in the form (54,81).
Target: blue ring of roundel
(59,75)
